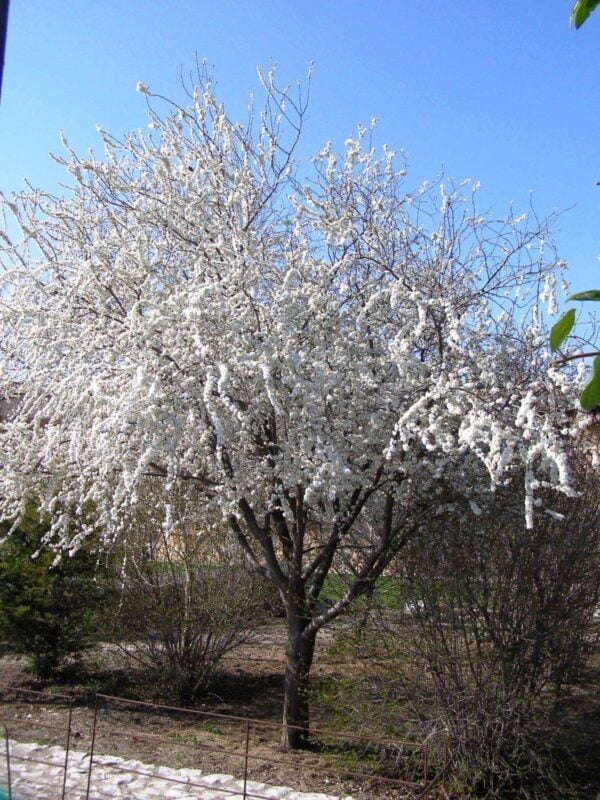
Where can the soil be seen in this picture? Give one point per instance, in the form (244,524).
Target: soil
(211,736)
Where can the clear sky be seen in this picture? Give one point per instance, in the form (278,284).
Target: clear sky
(501,91)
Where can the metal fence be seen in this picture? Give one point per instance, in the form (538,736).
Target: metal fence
(79,734)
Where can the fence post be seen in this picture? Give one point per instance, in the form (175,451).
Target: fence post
(89,780)
(246,757)
(67,747)
(8,784)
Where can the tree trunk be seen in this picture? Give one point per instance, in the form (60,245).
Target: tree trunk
(299,655)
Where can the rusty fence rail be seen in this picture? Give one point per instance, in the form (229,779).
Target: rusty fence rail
(371,765)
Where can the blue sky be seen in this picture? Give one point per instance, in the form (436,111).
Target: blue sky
(497,90)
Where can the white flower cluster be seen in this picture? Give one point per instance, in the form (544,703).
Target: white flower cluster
(193,311)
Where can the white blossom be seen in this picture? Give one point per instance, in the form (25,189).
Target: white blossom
(193,309)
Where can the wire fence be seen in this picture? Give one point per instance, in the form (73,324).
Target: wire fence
(79,745)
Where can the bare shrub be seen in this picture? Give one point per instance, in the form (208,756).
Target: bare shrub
(505,626)
(184,604)
(492,626)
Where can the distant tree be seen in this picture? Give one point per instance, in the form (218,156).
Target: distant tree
(328,358)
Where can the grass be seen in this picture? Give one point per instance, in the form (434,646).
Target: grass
(389,592)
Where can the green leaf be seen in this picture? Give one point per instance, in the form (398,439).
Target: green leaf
(590,396)
(562,329)
(581,11)
(591,294)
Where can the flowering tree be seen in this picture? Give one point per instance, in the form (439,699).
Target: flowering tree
(328,361)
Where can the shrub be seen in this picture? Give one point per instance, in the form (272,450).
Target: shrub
(179,614)
(50,604)
(505,626)
(496,625)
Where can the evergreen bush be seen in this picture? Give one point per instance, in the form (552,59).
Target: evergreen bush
(51,604)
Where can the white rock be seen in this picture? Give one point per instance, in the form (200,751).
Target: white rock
(111,779)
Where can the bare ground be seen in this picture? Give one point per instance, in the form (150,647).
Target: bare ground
(250,685)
